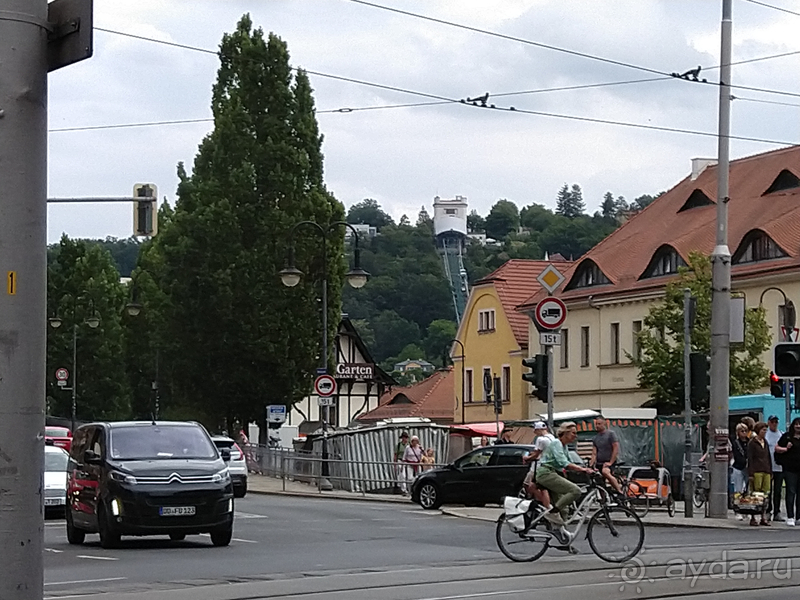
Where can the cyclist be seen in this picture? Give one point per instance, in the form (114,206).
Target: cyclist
(549,474)
(541,441)
(605,451)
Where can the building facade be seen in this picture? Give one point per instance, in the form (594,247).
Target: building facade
(610,290)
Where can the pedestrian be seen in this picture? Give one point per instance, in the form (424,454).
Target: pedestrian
(400,471)
(412,457)
(428,459)
(739,474)
(605,452)
(751,426)
(773,435)
(505,437)
(787,452)
(759,468)
(484,441)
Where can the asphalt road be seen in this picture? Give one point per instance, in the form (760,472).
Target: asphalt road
(312,549)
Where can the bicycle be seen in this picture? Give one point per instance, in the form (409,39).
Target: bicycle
(701,487)
(634,495)
(608,523)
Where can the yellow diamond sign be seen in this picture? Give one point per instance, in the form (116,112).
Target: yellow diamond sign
(550,278)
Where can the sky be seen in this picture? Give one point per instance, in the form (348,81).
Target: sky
(405,156)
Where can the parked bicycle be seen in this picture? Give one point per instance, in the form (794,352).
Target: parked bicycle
(701,487)
(615,533)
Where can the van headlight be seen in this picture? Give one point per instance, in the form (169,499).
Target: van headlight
(223,476)
(122,477)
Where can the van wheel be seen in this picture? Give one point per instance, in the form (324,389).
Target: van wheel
(109,538)
(75,536)
(222,536)
(177,537)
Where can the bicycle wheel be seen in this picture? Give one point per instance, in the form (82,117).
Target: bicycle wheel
(519,546)
(615,533)
(699,497)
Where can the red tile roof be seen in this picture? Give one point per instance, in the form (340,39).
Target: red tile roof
(515,281)
(433,397)
(625,254)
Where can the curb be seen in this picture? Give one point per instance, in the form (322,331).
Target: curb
(328,496)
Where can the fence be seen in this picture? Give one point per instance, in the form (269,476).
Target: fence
(358,476)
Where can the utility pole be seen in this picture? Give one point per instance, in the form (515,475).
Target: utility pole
(548,349)
(23,311)
(721,285)
(688,473)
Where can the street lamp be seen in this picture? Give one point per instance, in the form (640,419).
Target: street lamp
(93,321)
(463,359)
(356,277)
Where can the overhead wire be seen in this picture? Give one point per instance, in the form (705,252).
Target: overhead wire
(772,6)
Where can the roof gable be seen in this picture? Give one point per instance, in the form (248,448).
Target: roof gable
(786,180)
(433,397)
(696,199)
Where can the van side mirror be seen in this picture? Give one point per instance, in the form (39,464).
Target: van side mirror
(225,453)
(90,457)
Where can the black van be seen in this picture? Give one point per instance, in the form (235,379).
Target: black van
(147,478)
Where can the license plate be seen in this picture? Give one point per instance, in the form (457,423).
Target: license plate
(176,511)
(54,501)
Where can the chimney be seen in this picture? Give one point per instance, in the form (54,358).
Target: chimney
(699,165)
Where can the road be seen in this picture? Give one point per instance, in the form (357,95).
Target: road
(313,549)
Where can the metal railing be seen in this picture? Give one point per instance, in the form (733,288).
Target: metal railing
(356,476)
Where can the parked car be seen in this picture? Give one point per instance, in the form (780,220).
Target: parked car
(480,477)
(237,465)
(60,436)
(55,479)
(148,478)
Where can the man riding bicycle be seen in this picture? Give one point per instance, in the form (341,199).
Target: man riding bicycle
(605,452)
(549,474)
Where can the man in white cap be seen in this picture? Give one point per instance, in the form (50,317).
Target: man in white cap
(541,440)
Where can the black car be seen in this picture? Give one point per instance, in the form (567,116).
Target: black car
(147,478)
(482,476)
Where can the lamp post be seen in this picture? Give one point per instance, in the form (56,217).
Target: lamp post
(463,359)
(92,321)
(356,277)
(789,317)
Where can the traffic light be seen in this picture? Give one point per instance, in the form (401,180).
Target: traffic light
(699,376)
(498,397)
(145,214)
(538,375)
(786,360)
(776,386)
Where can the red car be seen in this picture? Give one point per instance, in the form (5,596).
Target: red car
(60,436)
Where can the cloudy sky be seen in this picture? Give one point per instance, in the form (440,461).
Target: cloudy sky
(404,156)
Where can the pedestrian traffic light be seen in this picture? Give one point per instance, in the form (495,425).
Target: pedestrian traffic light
(145,213)
(487,386)
(498,397)
(776,386)
(786,359)
(699,376)
(538,375)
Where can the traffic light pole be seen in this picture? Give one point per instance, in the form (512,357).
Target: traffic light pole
(548,350)
(688,473)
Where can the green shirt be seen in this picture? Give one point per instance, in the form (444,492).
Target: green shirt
(554,458)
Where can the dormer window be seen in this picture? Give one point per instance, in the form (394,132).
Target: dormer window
(697,199)
(588,274)
(757,246)
(786,180)
(665,261)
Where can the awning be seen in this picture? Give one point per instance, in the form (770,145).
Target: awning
(477,429)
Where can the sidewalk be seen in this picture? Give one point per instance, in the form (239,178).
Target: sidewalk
(262,484)
(655,518)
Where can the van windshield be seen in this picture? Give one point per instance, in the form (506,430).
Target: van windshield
(154,442)
(55,461)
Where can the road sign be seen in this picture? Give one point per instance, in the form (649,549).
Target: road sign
(550,279)
(550,313)
(276,413)
(325,401)
(325,386)
(790,336)
(547,338)
(62,374)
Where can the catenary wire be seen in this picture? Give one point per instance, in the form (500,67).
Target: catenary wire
(772,6)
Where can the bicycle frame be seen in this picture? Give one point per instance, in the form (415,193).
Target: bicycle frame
(586,509)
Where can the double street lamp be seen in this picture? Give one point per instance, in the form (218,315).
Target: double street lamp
(356,277)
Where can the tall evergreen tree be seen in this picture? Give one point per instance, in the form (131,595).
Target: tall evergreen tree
(239,339)
(569,202)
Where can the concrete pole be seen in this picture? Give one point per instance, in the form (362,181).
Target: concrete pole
(721,285)
(688,474)
(23,312)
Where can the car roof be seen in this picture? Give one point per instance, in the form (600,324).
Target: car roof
(54,450)
(222,438)
(117,424)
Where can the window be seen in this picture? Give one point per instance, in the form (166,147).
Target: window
(636,345)
(506,384)
(588,274)
(469,386)
(757,246)
(510,457)
(615,343)
(696,200)
(584,346)
(449,211)
(487,377)
(486,320)
(478,458)
(565,348)
(665,261)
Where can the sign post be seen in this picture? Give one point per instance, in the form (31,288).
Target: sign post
(549,316)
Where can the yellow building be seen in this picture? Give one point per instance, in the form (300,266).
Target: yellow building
(609,291)
(495,340)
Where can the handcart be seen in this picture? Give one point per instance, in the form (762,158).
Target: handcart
(750,504)
(649,486)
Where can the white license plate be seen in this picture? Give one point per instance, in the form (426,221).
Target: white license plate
(176,511)
(54,501)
